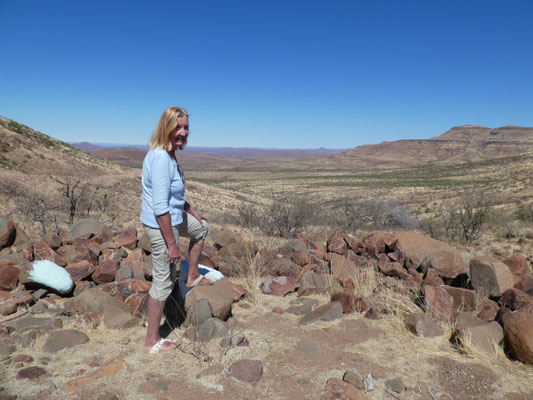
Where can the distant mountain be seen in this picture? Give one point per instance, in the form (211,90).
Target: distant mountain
(461,144)
(133,155)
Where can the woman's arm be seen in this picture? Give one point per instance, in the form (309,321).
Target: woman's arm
(165,225)
(189,210)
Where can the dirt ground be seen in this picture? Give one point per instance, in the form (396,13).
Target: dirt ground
(297,362)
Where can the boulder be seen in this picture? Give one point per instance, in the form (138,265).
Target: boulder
(80,270)
(127,239)
(292,246)
(278,285)
(301,257)
(311,282)
(106,271)
(515,299)
(219,296)
(284,267)
(518,333)
(212,328)
(418,247)
(519,268)
(31,373)
(483,336)
(489,311)
(86,228)
(43,252)
(52,240)
(422,325)
(463,299)
(343,265)
(336,244)
(394,269)
(439,303)
(8,275)
(327,312)
(489,276)
(347,301)
(134,258)
(8,233)
(64,339)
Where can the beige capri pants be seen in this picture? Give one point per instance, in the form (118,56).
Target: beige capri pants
(164,273)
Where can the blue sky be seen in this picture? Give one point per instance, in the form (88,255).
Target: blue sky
(283,74)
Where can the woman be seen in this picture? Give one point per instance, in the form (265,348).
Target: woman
(166,215)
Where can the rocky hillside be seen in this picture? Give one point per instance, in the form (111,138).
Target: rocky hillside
(390,315)
(461,144)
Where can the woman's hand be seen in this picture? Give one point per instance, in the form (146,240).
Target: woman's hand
(199,216)
(174,254)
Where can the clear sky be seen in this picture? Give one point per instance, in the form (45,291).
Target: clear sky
(283,74)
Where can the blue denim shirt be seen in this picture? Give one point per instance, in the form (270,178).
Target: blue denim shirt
(163,189)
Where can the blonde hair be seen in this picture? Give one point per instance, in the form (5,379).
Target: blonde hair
(167,123)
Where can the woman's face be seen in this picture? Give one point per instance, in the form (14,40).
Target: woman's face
(178,137)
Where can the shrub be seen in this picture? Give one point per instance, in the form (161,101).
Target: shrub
(285,217)
(374,214)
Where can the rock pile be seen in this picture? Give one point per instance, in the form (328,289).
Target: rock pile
(488,300)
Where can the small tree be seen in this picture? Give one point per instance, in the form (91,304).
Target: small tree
(468,215)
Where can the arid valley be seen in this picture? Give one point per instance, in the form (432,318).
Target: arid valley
(400,270)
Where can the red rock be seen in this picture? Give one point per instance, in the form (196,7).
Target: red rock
(31,373)
(421,325)
(8,275)
(301,258)
(127,239)
(438,303)
(238,291)
(490,276)
(219,296)
(90,318)
(371,246)
(5,295)
(279,285)
(394,269)
(80,270)
(515,299)
(327,312)
(106,271)
(43,252)
(52,240)
(398,256)
(373,313)
(347,301)
(336,389)
(448,276)
(134,258)
(489,310)
(95,248)
(8,307)
(130,286)
(278,310)
(342,265)
(433,278)
(353,243)
(418,247)
(518,331)
(7,233)
(137,303)
(247,370)
(99,238)
(518,266)
(463,299)
(24,300)
(336,244)
(383,259)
